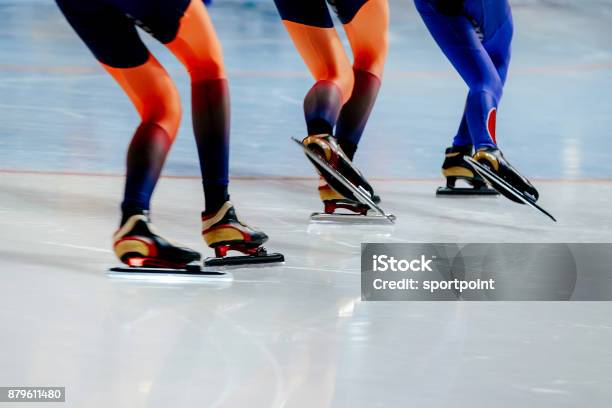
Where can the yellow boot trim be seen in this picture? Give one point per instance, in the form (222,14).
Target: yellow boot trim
(457,172)
(317,139)
(206,224)
(328,194)
(488,157)
(131,245)
(223,234)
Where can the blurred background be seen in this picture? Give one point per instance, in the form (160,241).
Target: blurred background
(59,111)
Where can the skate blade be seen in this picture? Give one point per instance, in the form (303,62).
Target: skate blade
(466,191)
(369,219)
(504,187)
(191,270)
(257,259)
(362,196)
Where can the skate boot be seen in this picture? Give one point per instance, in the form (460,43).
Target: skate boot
(137,245)
(455,168)
(332,200)
(359,213)
(224,231)
(327,148)
(491,164)
(494,160)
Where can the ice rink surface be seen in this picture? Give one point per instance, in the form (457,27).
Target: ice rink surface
(297,335)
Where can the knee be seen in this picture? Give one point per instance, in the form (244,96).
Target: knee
(210,67)
(368,36)
(196,44)
(496,89)
(372,59)
(493,87)
(343,78)
(163,108)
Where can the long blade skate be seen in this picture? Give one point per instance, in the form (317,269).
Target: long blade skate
(455,169)
(359,192)
(190,269)
(256,256)
(500,184)
(336,218)
(466,191)
(474,191)
(223,231)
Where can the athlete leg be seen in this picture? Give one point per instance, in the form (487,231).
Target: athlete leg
(194,42)
(185,28)
(113,39)
(366,24)
(497,44)
(498,47)
(492,21)
(462,137)
(459,41)
(311,29)
(155,97)
(197,47)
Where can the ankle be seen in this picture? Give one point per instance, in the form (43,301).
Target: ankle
(128,211)
(215,196)
(349,148)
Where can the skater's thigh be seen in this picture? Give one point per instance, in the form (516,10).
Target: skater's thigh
(196,44)
(499,48)
(107,31)
(308,12)
(152,92)
(321,49)
(448,30)
(113,39)
(457,38)
(367,31)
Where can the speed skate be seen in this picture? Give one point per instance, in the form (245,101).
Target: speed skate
(455,169)
(475,190)
(194,269)
(255,256)
(505,188)
(368,217)
(224,231)
(363,211)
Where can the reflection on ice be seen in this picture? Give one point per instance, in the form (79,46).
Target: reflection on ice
(223,281)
